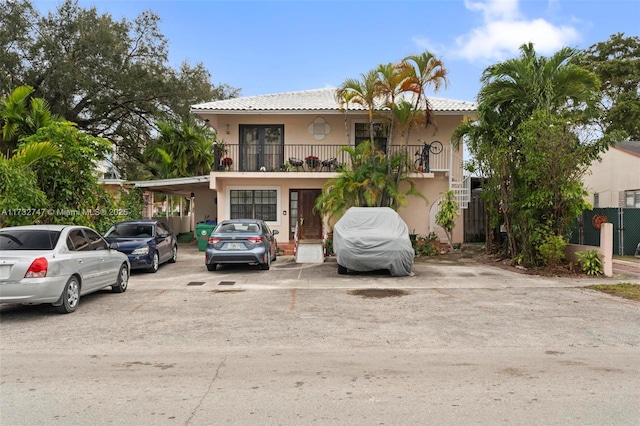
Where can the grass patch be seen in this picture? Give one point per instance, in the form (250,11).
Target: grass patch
(626,290)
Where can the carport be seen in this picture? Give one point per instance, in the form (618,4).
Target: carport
(194,190)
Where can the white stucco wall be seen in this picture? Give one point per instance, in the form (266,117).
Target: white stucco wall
(616,172)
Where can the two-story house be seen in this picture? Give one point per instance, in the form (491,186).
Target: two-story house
(614,180)
(272,141)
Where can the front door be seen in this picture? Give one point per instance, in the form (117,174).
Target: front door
(309,222)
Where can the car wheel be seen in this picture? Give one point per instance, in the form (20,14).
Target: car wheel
(342,270)
(70,296)
(122,281)
(265,266)
(211,266)
(174,254)
(155,263)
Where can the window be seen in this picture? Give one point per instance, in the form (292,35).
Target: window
(76,241)
(596,200)
(261,146)
(95,241)
(162,228)
(14,239)
(259,204)
(632,198)
(380,133)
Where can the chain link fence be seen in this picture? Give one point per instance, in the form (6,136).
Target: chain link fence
(626,229)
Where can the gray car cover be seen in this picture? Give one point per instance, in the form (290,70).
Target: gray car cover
(372,238)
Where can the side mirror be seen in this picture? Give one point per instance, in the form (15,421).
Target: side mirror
(113,246)
(163,235)
(275,232)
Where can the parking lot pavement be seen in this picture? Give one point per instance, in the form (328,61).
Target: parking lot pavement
(286,273)
(456,344)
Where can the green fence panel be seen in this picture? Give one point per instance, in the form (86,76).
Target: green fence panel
(626,229)
(630,231)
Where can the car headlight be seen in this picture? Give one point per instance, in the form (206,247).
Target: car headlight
(141,250)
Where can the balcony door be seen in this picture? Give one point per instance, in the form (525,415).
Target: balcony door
(261,146)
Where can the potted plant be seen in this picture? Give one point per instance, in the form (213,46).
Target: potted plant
(312,161)
(219,151)
(227,162)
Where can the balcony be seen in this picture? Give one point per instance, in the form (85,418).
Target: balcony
(312,158)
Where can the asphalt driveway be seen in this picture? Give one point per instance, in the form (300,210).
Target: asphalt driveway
(457,343)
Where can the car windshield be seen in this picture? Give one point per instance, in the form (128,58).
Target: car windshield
(130,230)
(225,228)
(31,239)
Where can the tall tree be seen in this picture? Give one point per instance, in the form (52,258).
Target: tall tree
(617,64)
(110,77)
(529,108)
(425,71)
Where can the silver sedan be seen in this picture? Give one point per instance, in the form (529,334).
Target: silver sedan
(57,264)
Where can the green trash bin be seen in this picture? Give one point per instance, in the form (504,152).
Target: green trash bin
(203,230)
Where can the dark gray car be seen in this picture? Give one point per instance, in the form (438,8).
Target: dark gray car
(241,241)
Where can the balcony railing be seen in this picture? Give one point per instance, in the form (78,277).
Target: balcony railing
(319,158)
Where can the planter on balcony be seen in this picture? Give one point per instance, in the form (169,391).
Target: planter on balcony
(312,162)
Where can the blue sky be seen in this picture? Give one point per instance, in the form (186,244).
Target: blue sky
(279,46)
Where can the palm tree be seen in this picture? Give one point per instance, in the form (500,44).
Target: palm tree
(364,92)
(20,117)
(365,182)
(424,70)
(182,149)
(521,85)
(517,97)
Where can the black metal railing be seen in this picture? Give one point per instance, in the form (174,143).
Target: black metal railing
(320,158)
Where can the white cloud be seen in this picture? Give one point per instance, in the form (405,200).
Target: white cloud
(424,43)
(505,29)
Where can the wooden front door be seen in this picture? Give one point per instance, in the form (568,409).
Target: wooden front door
(309,222)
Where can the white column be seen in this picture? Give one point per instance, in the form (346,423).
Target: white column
(606,248)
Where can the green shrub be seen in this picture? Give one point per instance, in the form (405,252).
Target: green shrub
(552,250)
(590,262)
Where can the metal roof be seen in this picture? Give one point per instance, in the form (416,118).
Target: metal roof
(633,147)
(310,100)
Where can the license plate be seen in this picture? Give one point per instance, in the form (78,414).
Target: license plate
(235,246)
(5,270)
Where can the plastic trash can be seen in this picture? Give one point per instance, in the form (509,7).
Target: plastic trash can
(203,230)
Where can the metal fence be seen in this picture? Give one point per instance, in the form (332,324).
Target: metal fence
(313,157)
(626,229)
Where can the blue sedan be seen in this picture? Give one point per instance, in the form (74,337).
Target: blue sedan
(147,243)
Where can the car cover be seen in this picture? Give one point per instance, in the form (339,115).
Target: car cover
(372,238)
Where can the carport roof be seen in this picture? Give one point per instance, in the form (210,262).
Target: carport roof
(178,186)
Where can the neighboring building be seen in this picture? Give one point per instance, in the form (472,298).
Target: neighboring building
(269,138)
(614,181)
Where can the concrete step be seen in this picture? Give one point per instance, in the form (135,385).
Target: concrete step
(310,253)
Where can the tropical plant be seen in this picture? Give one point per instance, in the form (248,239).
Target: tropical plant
(110,76)
(183,148)
(590,262)
(69,180)
(21,200)
(525,142)
(447,215)
(365,181)
(21,116)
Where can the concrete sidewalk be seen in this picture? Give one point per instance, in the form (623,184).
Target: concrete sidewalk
(436,272)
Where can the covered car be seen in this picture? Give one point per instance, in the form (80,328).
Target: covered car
(372,238)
